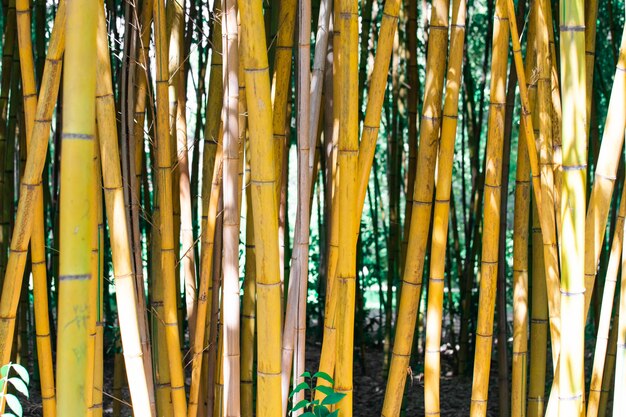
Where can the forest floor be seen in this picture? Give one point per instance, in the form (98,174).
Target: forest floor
(369,388)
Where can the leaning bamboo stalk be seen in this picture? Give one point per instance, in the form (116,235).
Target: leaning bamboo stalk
(367,149)
(265,208)
(118,230)
(538,324)
(204,289)
(212,157)
(164,184)
(548,223)
(31,178)
(434,318)
(8,49)
(545,144)
(572,52)
(609,369)
(608,295)
(520,248)
(38,254)
(230,241)
(75,221)
(605,174)
(421,210)
(619,401)
(491,211)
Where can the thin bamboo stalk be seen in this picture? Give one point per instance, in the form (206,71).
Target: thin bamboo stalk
(38,254)
(248,318)
(620,358)
(164,184)
(231,305)
(491,211)
(608,295)
(32,176)
(434,318)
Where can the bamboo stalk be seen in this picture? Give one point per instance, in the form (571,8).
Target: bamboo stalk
(265,208)
(32,176)
(421,210)
(38,233)
(434,319)
(572,52)
(231,305)
(347,158)
(126,295)
(76,228)
(164,184)
(608,295)
(491,211)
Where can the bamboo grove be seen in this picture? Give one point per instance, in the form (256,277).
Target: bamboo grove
(421,204)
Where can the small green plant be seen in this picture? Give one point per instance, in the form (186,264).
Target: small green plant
(19,382)
(311,406)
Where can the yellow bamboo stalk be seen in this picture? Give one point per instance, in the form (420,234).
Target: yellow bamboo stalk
(265,207)
(126,296)
(159,346)
(434,318)
(31,178)
(538,324)
(572,51)
(94,192)
(38,255)
(281,77)
(491,211)
(591,14)
(164,184)
(609,369)
(248,318)
(76,228)
(619,401)
(608,295)
(520,248)
(205,289)
(8,49)
(421,210)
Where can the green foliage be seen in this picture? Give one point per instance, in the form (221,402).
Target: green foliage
(19,383)
(311,406)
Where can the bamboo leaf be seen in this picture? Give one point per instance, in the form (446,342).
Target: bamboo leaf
(298,388)
(322,411)
(22,372)
(334,413)
(7,415)
(324,376)
(308,414)
(306,375)
(325,390)
(299,405)
(334,398)
(14,404)
(4,370)
(19,385)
